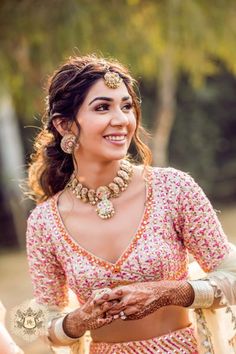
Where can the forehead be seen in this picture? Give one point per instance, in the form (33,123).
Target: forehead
(100,89)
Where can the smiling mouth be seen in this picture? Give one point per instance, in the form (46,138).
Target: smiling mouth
(115,137)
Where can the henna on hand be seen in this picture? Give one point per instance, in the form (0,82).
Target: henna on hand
(181,295)
(142,299)
(87,317)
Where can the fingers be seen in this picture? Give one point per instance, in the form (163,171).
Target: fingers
(125,303)
(130,310)
(116,309)
(108,305)
(94,311)
(105,321)
(125,313)
(88,307)
(89,304)
(109,296)
(99,293)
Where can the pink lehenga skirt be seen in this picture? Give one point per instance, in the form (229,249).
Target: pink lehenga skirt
(182,341)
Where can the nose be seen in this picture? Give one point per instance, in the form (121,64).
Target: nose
(119,118)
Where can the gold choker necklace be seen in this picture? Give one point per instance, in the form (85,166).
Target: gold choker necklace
(102,195)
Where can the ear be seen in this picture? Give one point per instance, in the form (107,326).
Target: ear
(61,125)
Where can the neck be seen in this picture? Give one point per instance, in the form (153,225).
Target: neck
(96,174)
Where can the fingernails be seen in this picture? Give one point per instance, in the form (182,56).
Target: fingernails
(116,317)
(114,302)
(119,292)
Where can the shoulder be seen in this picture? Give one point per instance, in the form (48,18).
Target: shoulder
(171,176)
(174,183)
(39,213)
(38,230)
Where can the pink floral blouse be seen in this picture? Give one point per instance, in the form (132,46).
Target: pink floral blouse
(178,219)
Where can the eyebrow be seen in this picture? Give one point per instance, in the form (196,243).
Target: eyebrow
(109,99)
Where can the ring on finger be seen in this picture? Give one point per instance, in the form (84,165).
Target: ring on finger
(122,315)
(115,317)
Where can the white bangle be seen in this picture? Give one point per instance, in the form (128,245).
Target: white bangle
(60,334)
(203,294)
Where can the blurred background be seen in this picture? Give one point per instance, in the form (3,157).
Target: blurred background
(183,55)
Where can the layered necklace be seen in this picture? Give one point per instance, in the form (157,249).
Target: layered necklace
(102,195)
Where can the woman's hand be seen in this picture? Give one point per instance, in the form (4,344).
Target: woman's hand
(132,299)
(87,317)
(141,299)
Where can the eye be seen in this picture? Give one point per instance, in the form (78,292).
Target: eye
(128,106)
(102,107)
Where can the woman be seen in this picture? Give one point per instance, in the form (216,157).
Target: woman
(116,233)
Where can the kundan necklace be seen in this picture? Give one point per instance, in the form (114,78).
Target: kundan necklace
(102,195)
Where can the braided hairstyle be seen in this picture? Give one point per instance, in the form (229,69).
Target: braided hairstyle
(50,168)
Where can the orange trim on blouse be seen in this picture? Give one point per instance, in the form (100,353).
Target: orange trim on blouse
(114,267)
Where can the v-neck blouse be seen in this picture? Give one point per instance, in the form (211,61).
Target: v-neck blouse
(177,218)
(131,244)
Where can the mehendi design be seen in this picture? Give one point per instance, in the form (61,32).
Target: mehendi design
(147,297)
(87,317)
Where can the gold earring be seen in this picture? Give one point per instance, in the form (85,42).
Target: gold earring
(68,143)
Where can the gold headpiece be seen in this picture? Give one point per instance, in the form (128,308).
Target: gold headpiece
(112,79)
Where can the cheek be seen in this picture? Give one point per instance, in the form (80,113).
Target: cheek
(90,129)
(133,123)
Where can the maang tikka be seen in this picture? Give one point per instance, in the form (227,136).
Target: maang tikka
(112,79)
(68,143)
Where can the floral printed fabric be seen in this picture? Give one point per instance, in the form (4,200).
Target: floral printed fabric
(178,218)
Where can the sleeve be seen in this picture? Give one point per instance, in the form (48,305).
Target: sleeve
(224,278)
(205,239)
(47,274)
(198,225)
(48,277)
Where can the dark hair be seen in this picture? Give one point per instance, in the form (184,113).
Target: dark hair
(50,168)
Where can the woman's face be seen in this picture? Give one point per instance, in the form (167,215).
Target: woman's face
(107,123)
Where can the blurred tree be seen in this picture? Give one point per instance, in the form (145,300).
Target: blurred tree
(206,127)
(159,39)
(12,165)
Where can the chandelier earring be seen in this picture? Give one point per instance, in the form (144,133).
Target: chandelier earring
(68,143)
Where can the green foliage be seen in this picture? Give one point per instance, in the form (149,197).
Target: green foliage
(203,138)
(36,35)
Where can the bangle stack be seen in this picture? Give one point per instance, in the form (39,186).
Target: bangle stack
(203,294)
(59,332)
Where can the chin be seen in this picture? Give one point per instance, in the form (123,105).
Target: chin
(115,155)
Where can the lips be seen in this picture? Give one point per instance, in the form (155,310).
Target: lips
(116,136)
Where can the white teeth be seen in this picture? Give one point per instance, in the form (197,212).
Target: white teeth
(115,137)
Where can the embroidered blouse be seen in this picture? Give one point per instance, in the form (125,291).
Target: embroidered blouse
(178,219)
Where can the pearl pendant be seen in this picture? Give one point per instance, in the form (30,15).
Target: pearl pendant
(105,209)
